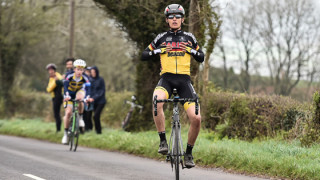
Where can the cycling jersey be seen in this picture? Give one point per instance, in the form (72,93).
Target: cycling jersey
(176,61)
(72,84)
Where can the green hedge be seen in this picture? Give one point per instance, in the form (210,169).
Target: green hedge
(250,116)
(33,104)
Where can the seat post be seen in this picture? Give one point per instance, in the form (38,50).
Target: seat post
(175,93)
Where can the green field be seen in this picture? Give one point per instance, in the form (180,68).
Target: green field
(276,158)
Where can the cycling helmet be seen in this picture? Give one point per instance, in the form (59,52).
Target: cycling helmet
(133,98)
(174,9)
(51,66)
(79,63)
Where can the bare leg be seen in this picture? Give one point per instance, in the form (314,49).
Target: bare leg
(159,120)
(66,118)
(195,124)
(80,96)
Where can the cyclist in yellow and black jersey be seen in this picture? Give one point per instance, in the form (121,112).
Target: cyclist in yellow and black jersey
(175,48)
(175,60)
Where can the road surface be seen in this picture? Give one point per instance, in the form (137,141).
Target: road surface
(27,159)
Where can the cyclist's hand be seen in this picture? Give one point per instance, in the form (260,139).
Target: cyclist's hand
(90,100)
(183,46)
(187,47)
(67,98)
(168,47)
(163,48)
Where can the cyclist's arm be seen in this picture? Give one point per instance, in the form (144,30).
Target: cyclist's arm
(194,49)
(198,55)
(154,48)
(150,51)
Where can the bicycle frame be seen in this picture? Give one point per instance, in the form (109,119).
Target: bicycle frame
(75,132)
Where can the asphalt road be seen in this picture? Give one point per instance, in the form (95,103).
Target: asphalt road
(28,159)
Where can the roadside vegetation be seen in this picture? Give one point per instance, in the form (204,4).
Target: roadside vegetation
(271,157)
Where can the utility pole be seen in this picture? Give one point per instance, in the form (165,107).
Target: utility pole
(71,36)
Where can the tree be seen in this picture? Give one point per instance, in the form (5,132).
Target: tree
(289,33)
(142,20)
(241,27)
(21,25)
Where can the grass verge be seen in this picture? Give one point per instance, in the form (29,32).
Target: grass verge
(275,158)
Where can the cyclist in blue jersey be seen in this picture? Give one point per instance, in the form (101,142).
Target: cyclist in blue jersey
(76,86)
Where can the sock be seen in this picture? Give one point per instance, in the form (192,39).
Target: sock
(189,149)
(81,115)
(65,130)
(162,136)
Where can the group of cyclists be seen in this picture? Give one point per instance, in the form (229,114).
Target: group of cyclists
(175,48)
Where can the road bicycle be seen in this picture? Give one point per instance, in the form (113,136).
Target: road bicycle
(133,105)
(74,130)
(175,150)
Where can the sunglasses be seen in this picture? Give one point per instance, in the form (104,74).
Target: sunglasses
(178,16)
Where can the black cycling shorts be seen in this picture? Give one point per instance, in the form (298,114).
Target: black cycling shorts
(181,82)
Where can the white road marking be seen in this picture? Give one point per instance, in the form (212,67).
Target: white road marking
(33,177)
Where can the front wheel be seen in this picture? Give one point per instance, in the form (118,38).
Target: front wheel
(76,141)
(71,140)
(176,152)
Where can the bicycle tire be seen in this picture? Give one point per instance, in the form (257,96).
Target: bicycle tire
(126,120)
(71,138)
(77,134)
(176,152)
(76,144)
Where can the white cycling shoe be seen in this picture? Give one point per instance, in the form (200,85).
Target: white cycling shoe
(65,140)
(81,126)
(81,123)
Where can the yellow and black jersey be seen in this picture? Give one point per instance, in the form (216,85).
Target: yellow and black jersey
(176,61)
(73,84)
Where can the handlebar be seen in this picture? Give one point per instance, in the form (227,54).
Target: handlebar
(175,100)
(74,100)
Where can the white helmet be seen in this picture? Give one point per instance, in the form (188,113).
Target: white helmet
(79,63)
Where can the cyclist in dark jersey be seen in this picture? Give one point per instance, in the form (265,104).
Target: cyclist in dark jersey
(76,86)
(175,48)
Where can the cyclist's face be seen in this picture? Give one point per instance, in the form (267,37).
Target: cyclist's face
(79,71)
(175,23)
